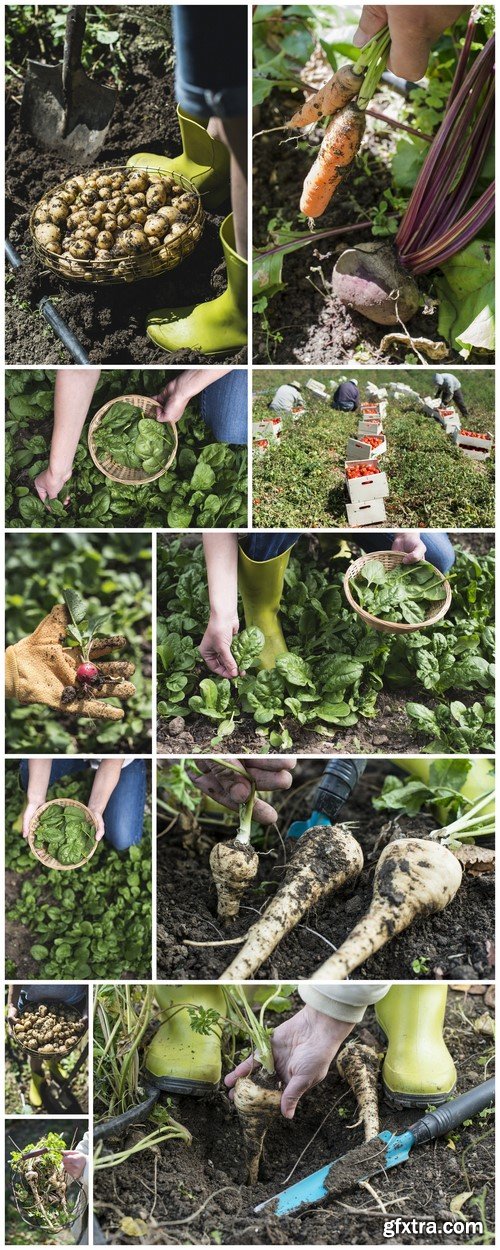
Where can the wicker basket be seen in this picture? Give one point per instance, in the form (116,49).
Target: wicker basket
(41,854)
(118,472)
(389,559)
(54,1054)
(128,268)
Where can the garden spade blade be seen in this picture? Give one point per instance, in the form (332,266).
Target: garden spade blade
(379,1154)
(62,108)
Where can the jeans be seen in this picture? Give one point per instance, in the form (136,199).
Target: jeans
(262,547)
(124,811)
(211,59)
(438,548)
(72,995)
(224,408)
(345,406)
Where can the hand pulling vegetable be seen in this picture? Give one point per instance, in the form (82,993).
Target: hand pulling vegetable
(42,669)
(326,859)
(359,1065)
(413,877)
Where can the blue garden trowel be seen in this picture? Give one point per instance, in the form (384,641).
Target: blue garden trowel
(379,1154)
(337,783)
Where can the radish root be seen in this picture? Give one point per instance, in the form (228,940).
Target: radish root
(359,1065)
(414,877)
(327,858)
(257,1102)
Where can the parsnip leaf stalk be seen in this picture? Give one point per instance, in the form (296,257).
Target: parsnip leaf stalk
(327,858)
(235,864)
(359,1065)
(414,877)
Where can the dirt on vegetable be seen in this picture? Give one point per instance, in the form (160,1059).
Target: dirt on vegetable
(453,944)
(196,1193)
(109,321)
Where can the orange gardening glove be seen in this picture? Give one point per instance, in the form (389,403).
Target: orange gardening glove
(38,668)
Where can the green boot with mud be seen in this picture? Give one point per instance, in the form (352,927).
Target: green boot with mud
(180,1060)
(418,1068)
(219,325)
(260,583)
(204,160)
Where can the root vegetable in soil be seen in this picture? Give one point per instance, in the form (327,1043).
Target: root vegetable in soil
(413,878)
(257,1102)
(359,1065)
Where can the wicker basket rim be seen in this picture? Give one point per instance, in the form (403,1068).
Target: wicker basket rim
(96,421)
(392,558)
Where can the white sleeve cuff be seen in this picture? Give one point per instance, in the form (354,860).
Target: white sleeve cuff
(343,1002)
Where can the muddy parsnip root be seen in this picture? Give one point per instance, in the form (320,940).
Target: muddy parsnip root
(359,1065)
(414,877)
(327,857)
(257,1102)
(234,865)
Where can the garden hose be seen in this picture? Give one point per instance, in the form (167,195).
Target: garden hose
(418,1068)
(260,583)
(69,340)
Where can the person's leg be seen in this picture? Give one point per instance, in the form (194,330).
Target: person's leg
(224,405)
(124,812)
(63,767)
(232,132)
(438,548)
(460,402)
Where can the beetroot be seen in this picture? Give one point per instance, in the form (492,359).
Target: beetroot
(370,279)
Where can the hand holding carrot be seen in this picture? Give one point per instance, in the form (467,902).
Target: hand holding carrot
(413,28)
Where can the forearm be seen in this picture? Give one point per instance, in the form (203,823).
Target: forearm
(191,381)
(106,779)
(72,397)
(221,558)
(38,780)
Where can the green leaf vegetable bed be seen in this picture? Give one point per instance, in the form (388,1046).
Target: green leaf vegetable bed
(206,486)
(337,667)
(92,923)
(66,833)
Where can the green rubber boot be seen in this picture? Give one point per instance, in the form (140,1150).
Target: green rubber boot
(418,1068)
(178,1059)
(34,1094)
(260,584)
(219,325)
(205,161)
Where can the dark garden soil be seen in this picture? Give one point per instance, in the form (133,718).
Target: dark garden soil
(457,943)
(193,1195)
(109,321)
(307,324)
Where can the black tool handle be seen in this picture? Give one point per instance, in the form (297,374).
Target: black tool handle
(453,1113)
(337,783)
(73,41)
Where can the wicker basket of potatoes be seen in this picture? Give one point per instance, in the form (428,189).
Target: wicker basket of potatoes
(117,224)
(49,1028)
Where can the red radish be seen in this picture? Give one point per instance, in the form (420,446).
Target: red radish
(87,672)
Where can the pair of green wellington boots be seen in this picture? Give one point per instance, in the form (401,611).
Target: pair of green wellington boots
(418,1068)
(219,325)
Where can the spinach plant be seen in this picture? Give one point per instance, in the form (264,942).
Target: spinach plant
(400,593)
(66,833)
(132,440)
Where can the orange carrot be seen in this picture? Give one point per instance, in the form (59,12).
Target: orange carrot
(340,145)
(337,92)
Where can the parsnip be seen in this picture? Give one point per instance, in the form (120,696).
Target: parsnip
(257,1102)
(414,877)
(359,1065)
(234,865)
(327,858)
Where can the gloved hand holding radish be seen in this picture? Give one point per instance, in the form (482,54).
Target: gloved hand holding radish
(45,668)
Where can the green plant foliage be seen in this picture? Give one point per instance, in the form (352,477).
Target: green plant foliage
(337,667)
(112,574)
(205,486)
(403,593)
(132,440)
(94,923)
(66,833)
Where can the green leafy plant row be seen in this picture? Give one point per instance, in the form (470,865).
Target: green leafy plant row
(206,485)
(97,923)
(337,667)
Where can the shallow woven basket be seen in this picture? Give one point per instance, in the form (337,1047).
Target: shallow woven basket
(43,855)
(54,1054)
(118,472)
(130,268)
(389,559)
